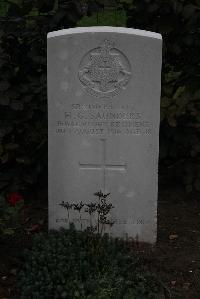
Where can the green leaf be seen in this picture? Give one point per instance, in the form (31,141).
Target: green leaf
(8,231)
(172,76)
(17,2)
(23,160)
(179,92)
(165,102)
(172,121)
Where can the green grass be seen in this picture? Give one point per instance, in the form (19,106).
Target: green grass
(105,18)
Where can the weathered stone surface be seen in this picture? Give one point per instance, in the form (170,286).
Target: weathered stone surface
(103,109)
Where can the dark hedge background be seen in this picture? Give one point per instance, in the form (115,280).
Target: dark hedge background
(23,97)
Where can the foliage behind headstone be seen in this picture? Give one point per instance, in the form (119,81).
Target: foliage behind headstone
(179,24)
(23,98)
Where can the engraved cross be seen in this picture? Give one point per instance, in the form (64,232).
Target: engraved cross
(104,166)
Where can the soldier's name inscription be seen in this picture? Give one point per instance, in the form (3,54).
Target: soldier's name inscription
(100,119)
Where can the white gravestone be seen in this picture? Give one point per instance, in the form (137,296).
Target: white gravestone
(103,114)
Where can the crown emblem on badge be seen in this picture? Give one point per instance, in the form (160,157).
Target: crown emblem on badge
(104,71)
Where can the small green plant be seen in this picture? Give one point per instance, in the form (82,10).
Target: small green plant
(10,213)
(73,264)
(98,210)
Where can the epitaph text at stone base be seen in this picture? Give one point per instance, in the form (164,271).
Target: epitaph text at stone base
(103,122)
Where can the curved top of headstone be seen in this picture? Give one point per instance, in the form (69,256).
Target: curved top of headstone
(95,29)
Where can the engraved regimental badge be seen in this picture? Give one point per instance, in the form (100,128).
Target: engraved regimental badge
(104,71)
